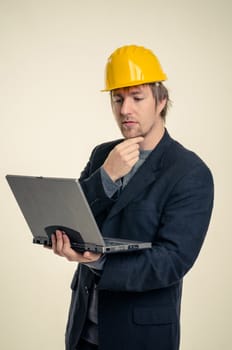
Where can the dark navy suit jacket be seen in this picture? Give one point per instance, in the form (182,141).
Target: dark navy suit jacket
(169,202)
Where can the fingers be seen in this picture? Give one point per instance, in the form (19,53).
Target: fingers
(61,246)
(129,145)
(58,243)
(122,158)
(128,153)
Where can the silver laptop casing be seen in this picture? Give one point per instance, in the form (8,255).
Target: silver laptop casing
(50,203)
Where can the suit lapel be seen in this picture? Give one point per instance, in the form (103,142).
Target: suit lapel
(144,176)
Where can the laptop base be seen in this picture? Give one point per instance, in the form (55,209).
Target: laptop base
(110,246)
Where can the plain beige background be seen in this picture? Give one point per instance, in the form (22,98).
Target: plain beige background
(52,57)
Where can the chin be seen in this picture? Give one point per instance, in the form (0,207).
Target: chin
(130,135)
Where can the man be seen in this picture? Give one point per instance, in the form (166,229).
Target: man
(144,187)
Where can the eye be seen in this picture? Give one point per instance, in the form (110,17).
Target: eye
(117,100)
(138,99)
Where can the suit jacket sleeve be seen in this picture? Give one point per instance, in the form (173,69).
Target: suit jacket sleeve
(91,182)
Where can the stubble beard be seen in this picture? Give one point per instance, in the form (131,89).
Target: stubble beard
(131,133)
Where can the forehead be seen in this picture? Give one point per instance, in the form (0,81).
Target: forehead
(131,90)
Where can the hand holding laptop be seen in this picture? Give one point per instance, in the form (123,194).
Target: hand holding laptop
(61,246)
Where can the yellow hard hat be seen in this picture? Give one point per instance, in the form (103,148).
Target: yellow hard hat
(132,65)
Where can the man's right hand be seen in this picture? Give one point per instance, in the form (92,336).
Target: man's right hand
(122,158)
(61,246)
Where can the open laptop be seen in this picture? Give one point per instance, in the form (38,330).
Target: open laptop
(49,204)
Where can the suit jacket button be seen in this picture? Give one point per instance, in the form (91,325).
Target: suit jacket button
(86,290)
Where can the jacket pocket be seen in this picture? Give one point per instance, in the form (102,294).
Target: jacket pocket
(158,316)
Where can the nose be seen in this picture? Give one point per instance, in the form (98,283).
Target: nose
(126,107)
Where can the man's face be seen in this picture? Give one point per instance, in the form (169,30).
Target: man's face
(136,112)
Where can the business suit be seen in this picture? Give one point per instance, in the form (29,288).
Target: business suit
(169,202)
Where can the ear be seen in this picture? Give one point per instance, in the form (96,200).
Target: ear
(161,105)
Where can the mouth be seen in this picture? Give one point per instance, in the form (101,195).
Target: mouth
(129,123)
